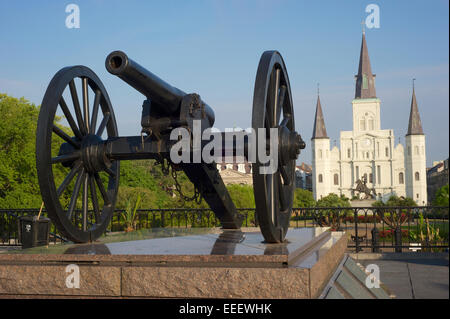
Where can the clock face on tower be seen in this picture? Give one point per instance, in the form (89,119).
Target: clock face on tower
(366,142)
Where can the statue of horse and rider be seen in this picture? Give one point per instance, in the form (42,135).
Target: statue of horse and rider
(361,187)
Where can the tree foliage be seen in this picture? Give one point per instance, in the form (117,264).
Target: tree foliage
(441,197)
(303,198)
(395,201)
(18,177)
(333,200)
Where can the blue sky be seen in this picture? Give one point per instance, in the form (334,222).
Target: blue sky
(213,48)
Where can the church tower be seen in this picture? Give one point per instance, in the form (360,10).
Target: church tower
(320,144)
(415,159)
(366,105)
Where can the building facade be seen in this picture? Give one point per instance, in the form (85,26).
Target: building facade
(303,177)
(238,172)
(368,151)
(437,176)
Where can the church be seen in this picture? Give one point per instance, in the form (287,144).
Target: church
(368,152)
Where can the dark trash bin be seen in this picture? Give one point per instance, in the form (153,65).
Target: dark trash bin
(34,232)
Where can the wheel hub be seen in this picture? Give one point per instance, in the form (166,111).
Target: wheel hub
(290,143)
(93,155)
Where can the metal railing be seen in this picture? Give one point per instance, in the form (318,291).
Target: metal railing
(368,228)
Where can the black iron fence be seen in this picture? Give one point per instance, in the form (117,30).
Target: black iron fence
(369,228)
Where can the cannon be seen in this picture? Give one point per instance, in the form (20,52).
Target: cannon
(78,166)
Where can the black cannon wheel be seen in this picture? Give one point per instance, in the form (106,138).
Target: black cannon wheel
(70,158)
(273,108)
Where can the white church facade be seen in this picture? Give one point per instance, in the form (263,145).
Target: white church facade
(369,152)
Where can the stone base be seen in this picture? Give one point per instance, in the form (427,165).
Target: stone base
(232,264)
(362,202)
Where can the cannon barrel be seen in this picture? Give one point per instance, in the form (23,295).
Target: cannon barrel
(166,97)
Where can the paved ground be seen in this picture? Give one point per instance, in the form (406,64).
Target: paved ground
(424,278)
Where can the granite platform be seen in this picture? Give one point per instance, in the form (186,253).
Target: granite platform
(209,264)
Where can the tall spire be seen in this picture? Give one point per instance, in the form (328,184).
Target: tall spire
(415,124)
(319,130)
(365,80)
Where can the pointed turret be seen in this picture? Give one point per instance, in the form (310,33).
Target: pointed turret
(365,80)
(415,124)
(319,130)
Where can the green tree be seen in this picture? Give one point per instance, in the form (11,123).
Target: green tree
(395,201)
(18,177)
(303,198)
(333,200)
(441,198)
(242,195)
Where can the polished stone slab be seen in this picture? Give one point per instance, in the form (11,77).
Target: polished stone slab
(208,249)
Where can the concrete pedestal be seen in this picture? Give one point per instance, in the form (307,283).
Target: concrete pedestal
(231,264)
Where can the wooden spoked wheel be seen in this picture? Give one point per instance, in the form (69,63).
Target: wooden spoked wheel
(78,183)
(273,108)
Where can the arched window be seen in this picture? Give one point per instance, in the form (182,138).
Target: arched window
(401,179)
(320,178)
(417,176)
(370,178)
(386,150)
(362,124)
(336,179)
(348,153)
(371,124)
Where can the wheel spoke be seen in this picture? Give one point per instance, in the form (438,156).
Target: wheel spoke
(84,85)
(66,158)
(285,175)
(69,118)
(94,199)
(285,121)
(281,98)
(65,137)
(68,179)
(76,191)
(110,172)
(275,196)
(270,195)
(103,124)
(85,200)
(105,196)
(98,95)
(283,204)
(76,106)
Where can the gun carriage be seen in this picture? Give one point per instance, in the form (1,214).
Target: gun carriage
(92,150)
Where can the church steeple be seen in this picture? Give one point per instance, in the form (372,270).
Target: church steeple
(319,130)
(365,80)
(415,124)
